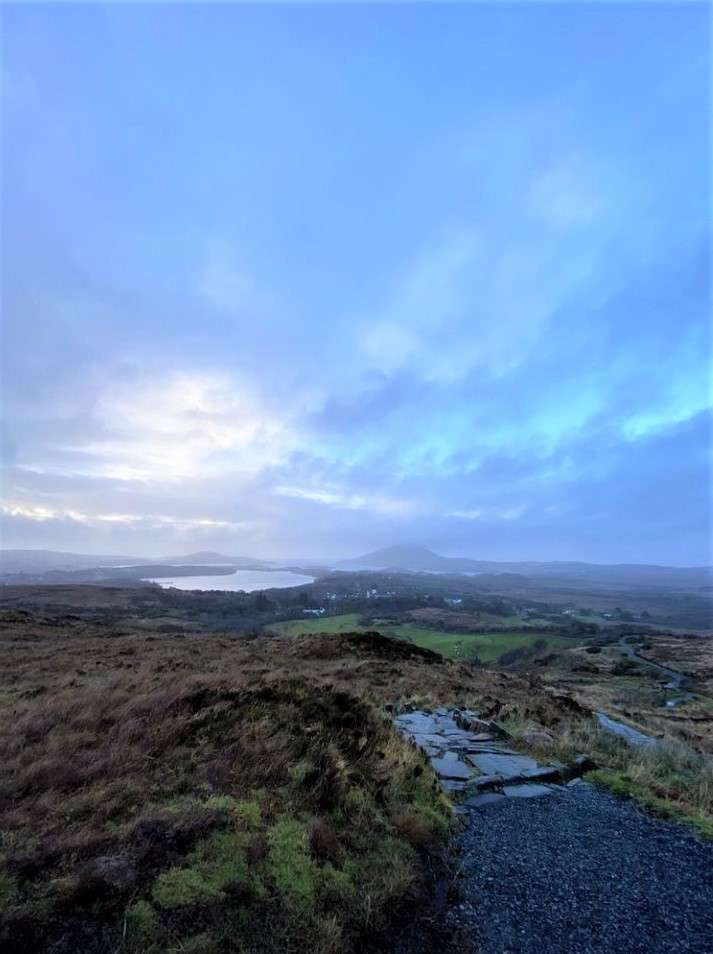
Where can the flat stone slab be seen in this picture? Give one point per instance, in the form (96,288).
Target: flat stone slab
(434,738)
(431,744)
(420,723)
(451,767)
(502,764)
(488,781)
(483,748)
(526,791)
(453,785)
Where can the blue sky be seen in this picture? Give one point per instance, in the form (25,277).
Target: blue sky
(307,280)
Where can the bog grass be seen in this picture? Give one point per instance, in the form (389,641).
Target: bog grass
(193,814)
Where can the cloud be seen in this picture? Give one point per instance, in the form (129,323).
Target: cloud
(430,298)
(481,296)
(42,514)
(373,502)
(181,425)
(508,513)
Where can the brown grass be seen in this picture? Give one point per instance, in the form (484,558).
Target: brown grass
(217,793)
(156,789)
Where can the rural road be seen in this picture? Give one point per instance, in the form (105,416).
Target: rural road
(578,872)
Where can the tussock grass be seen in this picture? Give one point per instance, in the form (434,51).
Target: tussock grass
(194,815)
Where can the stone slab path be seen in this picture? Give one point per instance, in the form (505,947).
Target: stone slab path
(473,757)
(579,872)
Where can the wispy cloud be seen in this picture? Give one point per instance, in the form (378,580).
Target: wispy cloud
(345,500)
(148,521)
(179,426)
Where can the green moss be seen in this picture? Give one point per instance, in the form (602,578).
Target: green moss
(221,861)
(183,887)
(217,866)
(290,866)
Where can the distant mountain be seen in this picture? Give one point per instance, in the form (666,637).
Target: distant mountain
(422,560)
(411,558)
(38,561)
(42,561)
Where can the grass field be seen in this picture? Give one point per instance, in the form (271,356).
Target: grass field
(488,646)
(347,623)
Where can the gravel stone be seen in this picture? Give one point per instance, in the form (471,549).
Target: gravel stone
(583,872)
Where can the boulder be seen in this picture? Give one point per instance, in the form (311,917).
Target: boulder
(536,737)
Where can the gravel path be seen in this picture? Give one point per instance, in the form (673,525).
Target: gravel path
(579,872)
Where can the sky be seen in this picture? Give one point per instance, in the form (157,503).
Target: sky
(304,281)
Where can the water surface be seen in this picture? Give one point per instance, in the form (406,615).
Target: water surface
(247,580)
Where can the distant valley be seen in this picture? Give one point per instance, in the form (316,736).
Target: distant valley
(405,559)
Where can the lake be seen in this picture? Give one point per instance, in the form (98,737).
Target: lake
(248,580)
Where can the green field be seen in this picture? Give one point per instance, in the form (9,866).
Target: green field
(347,623)
(488,646)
